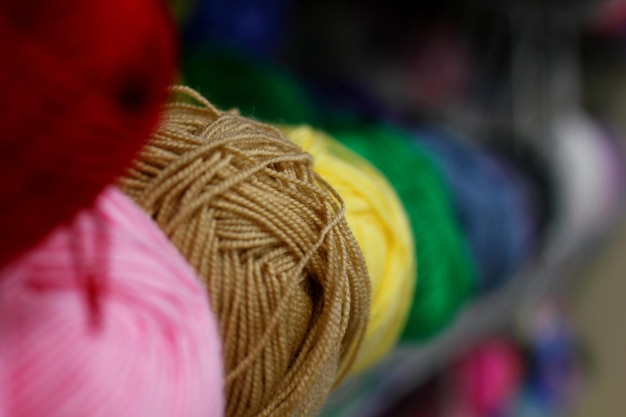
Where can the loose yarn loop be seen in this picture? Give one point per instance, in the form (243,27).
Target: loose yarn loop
(284,273)
(72,86)
(382,229)
(105,318)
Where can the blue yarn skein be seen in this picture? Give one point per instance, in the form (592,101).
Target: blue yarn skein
(527,159)
(493,209)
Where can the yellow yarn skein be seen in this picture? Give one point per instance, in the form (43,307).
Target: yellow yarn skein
(381,227)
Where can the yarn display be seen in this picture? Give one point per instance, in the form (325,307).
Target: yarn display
(444,266)
(308,223)
(260,90)
(268,236)
(493,210)
(381,227)
(73,86)
(105,318)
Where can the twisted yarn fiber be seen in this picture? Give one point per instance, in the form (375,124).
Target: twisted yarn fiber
(382,229)
(105,318)
(285,276)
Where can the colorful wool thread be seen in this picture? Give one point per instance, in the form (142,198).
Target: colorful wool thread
(105,318)
(285,276)
(492,208)
(72,86)
(444,266)
(381,227)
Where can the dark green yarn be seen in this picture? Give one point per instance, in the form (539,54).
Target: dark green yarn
(258,88)
(446,273)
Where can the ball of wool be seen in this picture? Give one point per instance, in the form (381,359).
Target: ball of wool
(73,86)
(493,210)
(255,86)
(444,266)
(528,160)
(486,379)
(381,227)
(587,169)
(557,368)
(105,318)
(268,236)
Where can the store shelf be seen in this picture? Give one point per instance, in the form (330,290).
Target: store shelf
(370,394)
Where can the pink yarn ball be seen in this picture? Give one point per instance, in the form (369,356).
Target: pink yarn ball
(487,378)
(104,318)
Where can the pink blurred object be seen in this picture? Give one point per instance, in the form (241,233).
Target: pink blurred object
(104,318)
(485,380)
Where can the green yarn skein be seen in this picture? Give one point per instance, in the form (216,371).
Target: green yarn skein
(258,88)
(446,272)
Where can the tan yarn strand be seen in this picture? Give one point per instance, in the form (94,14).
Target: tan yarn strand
(286,278)
(281,306)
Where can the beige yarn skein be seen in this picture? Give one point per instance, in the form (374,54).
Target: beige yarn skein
(268,236)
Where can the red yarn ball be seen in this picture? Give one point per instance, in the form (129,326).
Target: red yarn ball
(82,84)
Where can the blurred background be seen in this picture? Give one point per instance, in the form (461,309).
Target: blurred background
(537,85)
